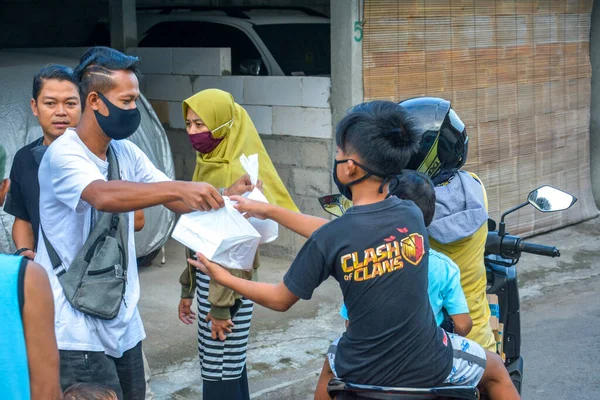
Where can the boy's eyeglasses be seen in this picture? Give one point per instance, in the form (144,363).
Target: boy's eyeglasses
(335,204)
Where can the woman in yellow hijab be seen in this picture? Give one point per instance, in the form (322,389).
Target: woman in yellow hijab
(220,131)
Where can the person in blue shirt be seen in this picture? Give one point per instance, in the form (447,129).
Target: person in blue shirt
(28,351)
(445,292)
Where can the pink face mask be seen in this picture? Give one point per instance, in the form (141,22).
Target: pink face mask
(204,142)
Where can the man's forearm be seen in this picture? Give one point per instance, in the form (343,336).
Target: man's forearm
(178,207)
(123,196)
(302,224)
(266,294)
(22,234)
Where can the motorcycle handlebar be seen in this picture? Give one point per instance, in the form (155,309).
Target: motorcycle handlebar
(511,247)
(539,249)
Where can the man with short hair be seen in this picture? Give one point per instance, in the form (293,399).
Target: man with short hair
(74,186)
(55,102)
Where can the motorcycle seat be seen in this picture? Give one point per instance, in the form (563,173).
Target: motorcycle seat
(346,390)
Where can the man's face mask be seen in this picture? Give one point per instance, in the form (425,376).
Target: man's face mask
(119,124)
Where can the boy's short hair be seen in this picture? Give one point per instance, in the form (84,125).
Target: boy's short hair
(53,71)
(381,133)
(416,186)
(89,391)
(96,67)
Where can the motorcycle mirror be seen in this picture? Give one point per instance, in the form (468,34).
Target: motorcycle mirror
(335,204)
(548,199)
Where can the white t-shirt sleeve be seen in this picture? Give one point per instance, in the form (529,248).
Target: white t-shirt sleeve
(71,172)
(145,171)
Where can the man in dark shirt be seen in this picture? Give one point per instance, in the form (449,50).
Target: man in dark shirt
(56,105)
(378,253)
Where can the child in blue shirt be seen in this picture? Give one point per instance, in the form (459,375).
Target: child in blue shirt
(445,291)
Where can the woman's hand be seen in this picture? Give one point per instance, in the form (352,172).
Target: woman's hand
(241,186)
(186,315)
(214,270)
(219,327)
(252,208)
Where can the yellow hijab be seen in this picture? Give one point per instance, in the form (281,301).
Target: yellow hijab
(221,167)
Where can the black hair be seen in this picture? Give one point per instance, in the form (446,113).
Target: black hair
(96,66)
(381,133)
(89,391)
(416,186)
(52,71)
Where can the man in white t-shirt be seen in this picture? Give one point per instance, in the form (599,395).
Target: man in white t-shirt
(72,178)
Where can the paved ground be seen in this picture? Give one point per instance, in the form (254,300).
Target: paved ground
(561,342)
(561,327)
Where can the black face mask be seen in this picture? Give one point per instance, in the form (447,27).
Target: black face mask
(345,188)
(120,124)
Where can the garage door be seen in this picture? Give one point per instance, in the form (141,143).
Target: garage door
(517,72)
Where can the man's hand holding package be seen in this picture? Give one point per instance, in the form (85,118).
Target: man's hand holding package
(201,196)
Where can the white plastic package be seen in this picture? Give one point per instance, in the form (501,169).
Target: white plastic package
(268,229)
(223,236)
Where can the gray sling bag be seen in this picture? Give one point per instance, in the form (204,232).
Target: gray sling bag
(96,280)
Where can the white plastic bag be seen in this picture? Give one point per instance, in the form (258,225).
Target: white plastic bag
(268,229)
(223,236)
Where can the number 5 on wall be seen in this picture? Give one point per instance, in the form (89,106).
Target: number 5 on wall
(358,29)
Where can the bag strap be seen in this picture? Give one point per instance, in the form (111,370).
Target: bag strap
(54,258)
(113,170)
(113,164)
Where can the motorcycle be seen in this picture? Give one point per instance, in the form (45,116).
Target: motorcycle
(502,253)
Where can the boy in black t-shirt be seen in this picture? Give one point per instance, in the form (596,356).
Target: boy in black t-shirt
(378,252)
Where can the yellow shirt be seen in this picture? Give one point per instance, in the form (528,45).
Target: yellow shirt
(468,254)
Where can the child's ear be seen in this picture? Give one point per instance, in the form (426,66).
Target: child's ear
(350,168)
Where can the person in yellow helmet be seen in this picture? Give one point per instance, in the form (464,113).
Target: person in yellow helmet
(220,130)
(459,228)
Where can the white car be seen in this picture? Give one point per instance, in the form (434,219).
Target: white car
(263,40)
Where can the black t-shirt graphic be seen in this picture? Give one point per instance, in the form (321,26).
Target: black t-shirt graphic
(378,253)
(23,196)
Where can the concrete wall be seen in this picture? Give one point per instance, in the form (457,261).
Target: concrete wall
(292,115)
(346,58)
(595,103)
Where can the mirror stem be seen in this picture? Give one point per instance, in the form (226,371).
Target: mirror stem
(502,226)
